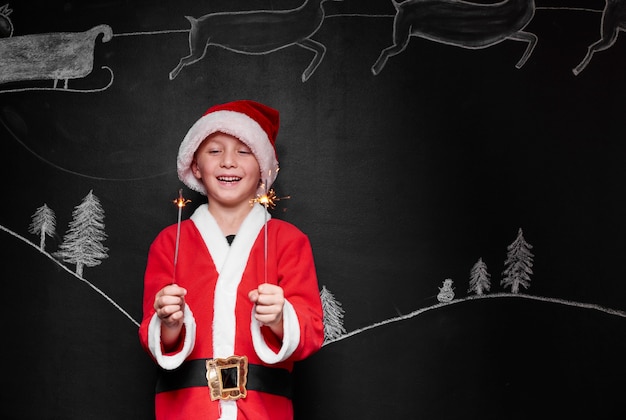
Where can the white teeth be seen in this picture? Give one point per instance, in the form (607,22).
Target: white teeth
(228,178)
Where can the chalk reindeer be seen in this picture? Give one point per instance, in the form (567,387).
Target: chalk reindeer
(460,23)
(613,21)
(257,32)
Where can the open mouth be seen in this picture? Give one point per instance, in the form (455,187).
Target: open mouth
(228,178)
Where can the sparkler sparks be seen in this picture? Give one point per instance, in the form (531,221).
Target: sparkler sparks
(269,199)
(180,203)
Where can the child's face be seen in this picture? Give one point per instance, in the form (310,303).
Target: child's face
(227,168)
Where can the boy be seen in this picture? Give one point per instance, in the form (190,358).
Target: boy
(224,338)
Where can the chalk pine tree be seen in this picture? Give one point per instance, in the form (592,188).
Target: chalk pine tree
(480,279)
(82,244)
(518,264)
(333,315)
(43,224)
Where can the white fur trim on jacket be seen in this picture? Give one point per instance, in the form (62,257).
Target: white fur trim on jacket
(291,337)
(230,262)
(173,361)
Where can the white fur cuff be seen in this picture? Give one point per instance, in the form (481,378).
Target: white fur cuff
(170,362)
(291,337)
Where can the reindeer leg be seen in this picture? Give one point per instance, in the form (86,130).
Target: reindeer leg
(198,44)
(601,45)
(581,66)
(401,40)
(196,55)
(319,50)
(531,39)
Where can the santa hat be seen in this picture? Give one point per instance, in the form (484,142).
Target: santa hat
(253,123)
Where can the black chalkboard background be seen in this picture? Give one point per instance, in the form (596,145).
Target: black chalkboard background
(401,179)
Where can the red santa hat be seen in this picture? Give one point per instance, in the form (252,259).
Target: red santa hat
(253,123)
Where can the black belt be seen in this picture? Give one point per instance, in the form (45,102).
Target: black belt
(193,373)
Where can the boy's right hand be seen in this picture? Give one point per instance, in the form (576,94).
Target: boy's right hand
(169,304)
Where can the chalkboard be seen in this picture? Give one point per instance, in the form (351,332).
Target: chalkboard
(460,177)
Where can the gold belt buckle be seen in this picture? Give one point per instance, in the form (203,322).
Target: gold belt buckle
(227,377)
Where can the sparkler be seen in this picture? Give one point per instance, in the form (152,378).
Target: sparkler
(180,203)
(268,200)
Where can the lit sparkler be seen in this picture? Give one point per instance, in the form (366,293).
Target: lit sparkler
(180,203)
(268,200)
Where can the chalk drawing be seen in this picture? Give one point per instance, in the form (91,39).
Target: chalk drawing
(460,23)
(518,264)
(413,314)
(480,278)
(64,267)
(6,25)
(333,315)
(446,291)
(613,21)
(63,56)
(50,56)
(65,89)
(83,243)
(257,32)
(43,224)
(333,312)
(79,174)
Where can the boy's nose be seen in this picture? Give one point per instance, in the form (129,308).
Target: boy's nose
(228,160)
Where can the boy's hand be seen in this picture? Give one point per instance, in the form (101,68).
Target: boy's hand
(169,303)
(269,300)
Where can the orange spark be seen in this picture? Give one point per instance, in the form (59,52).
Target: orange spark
(181,201)
(268,200)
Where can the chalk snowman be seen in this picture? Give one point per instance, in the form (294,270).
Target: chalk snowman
(446,293)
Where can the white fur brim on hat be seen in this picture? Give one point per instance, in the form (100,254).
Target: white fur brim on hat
(236,124)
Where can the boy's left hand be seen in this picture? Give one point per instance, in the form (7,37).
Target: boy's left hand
(269,300)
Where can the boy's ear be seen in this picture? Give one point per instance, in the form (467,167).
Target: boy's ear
(195,168)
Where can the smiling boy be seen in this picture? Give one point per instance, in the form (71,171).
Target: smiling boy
(225,340)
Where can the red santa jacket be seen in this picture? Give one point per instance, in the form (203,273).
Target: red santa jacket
(219,319)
